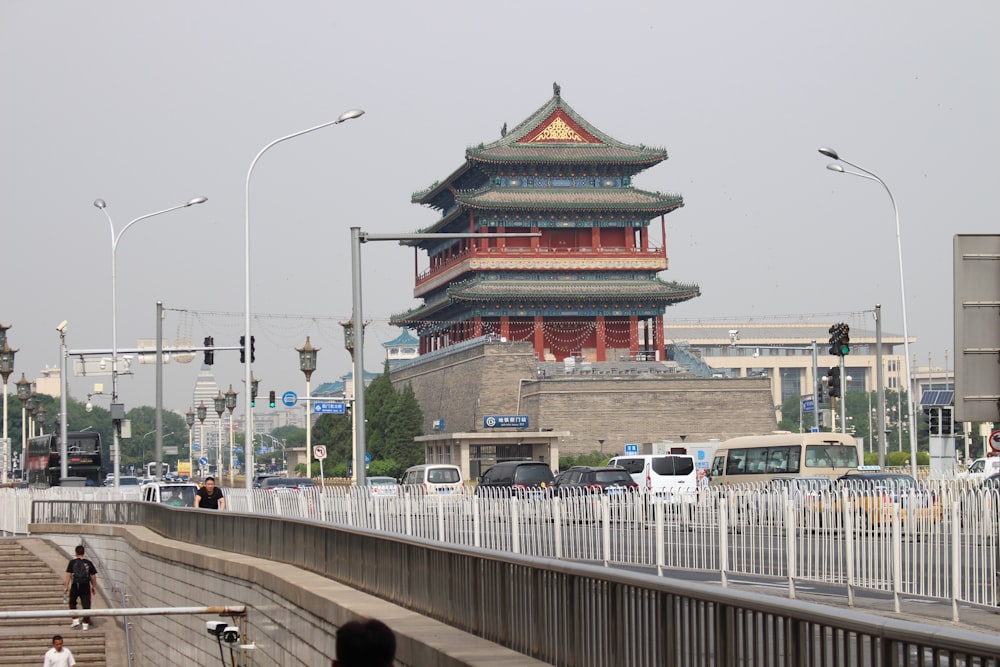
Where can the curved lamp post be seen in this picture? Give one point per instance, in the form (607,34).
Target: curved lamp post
(864,173)
(307,364)
(231,405)
(248,421)
(189,419)
(6,368)
(117,410)
(220,407)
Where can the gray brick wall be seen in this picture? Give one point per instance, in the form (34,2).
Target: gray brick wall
(487,379)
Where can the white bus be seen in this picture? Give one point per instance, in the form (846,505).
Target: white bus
(758,458)
(151,470)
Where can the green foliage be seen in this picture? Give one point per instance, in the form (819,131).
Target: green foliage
(594,458)
(292,436)
(393,418)
(898,459)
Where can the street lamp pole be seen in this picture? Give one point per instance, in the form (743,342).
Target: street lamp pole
(118,410)
(220,407)
(202,412)
(189,418)
(23,392)
(864,173)
(231,405)
(6,368)
(307,364)
(248,420)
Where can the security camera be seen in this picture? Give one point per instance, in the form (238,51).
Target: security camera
(62,326)
(230,634)
(216,628)
(89,407)
(734,332)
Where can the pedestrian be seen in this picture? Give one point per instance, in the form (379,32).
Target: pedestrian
(367,643)
(81,582)
(58,656)
(209,497)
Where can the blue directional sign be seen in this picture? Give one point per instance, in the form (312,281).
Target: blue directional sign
(505,421)
(289,398)
(328,408)
(368,457)
(808,405)
(632,448)
(195,447)
(203,461)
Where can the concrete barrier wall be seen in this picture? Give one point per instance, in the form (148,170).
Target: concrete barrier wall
(292,614)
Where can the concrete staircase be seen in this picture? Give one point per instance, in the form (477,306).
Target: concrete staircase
(30,580)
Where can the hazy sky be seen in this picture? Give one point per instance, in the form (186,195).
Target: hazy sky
(149,104)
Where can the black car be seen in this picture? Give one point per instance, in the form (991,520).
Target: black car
(981,502)
(530,478)
(586,479)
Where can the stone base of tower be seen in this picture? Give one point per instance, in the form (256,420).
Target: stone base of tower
(459,388)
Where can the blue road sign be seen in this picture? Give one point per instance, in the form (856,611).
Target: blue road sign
(203,461)
(632,449)
(328,408)
(808,405)
(289,398)
(368,457)
(195,447)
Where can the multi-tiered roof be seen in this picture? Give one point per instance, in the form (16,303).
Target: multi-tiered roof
(557,175)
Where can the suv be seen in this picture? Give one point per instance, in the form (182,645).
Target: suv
(530,478)
(584,479)
(260,477)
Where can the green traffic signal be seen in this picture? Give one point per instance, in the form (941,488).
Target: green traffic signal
(270,399)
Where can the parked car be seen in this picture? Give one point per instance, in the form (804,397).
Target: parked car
(872,496)
(287,484)
(981,502)
(586,479)
(382,486)
(260,477)
(433,478)
(526,478)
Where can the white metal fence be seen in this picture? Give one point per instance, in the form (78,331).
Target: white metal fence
(941,542)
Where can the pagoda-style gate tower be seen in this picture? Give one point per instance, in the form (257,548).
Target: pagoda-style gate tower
(587,287)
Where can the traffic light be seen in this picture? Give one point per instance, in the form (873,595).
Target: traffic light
(209,353)
(270,399)
(934,421)
(947,420)
(833,381)
(253,394)
(834,338)
(845,340)
(243,349)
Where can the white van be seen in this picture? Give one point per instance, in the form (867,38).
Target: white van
(434,478)
(175,494)
(661,474)
(982,468)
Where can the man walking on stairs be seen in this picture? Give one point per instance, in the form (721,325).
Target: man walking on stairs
(81,582)
(57,656)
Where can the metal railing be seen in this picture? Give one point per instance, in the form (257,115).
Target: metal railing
(561,612)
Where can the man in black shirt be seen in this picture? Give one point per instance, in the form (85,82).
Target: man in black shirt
(81,582)
(209,497)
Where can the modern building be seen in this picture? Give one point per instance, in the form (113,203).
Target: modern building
(582,280)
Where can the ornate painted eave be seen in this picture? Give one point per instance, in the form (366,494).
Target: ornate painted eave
(577,199)
(556,133)
(429,193)
(479,289)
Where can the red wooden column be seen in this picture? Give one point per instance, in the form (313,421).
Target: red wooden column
(536,241)
(602,353)
(477,326)
(596,238)
(661,354)
(633,334)
(505,326)
(539,339)
(644,238)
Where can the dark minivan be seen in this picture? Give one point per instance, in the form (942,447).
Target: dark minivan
(530,478)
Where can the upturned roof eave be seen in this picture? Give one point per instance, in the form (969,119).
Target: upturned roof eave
(425,195)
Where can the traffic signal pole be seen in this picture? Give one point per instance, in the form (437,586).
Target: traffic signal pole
(843,396)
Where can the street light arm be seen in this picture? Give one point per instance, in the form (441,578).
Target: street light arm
(248,412)
(116,239)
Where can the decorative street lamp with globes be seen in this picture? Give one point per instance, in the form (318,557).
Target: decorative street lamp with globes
(23,392)
(202,412)
(307,364)
(231,405)
(220,407)
(6,368)
(189,419)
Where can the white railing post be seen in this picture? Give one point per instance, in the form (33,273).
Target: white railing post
(660,548)
(848,520)
(897,557)
(605,530)
(956,560)
(791,536)
(723,540)
(477,539)
(515,525)
(557,527)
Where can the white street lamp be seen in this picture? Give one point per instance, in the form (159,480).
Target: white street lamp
(118,410)
(864,173)
(248,420)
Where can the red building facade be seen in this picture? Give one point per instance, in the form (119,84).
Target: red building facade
(587,285)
